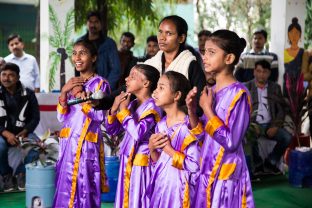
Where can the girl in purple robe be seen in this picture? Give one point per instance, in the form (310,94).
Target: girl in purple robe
(138,119)
(174,149)
(80,174)
(224,179)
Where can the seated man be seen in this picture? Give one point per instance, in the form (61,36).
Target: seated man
(19,116)
(269,116)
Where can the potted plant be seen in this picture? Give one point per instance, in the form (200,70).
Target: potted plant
(111,164)
(40,174)
(300,107)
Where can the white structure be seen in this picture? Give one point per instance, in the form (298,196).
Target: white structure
(56,20)
(282,12)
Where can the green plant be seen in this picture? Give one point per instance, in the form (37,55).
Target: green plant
(113,141)
(48,150)
(59,39)
(299,105)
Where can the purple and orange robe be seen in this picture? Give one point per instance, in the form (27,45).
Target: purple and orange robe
(80,173)
(171,181)
(138,122)
(223,178)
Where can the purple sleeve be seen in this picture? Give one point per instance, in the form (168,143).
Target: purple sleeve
(191,160)
(230,136)
(138,129)
(62,113)
(114,127)
(96,115)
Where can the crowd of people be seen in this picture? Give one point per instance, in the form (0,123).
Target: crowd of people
(184,139)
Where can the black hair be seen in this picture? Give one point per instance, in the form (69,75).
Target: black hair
(229,42)
(89,45)
(152,38)
(294,24)
(94,14)
(13,36)
(204,32)
(181,26)
(12,67)
(265,64)
(128,35)
(261,32)
(151,73)
(178,82)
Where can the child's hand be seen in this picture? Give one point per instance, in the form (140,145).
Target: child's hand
(206,101)
(73,82)
(191,101)
(157,141)
(168,148)
(124,104)
(76,91)
(117,101)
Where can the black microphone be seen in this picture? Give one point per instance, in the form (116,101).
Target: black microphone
(95,96)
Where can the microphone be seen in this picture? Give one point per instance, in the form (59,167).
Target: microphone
(98,95)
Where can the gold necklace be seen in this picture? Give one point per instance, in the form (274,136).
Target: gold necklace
(92,75)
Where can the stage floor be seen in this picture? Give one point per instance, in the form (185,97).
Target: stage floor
(270,192)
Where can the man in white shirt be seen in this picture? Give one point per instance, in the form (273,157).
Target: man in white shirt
(29,70)
(266,97)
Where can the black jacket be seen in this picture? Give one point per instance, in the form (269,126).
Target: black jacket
(275,100)
(19,111)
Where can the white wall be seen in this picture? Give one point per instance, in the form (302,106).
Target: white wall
(282,11)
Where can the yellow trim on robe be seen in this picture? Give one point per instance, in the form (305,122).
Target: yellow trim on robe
(149,112)
(127,179)
(233,103)
(244,198)
(61,109)
(178,160)
(221,152)
(249,103)
(213,175)
(64,133)
(83,133)
(104,182)
(227,169)
(198,129)
(99,85)
(111,118)
(213,124)
(140,160)
(76,162)
(92,137)
(187,141)
(121,115)
(86,108)
(287,58)
(186,198)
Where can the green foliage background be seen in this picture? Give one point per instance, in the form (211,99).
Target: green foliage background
(308,25)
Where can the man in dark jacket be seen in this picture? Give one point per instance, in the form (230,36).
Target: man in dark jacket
(107,63)
(266,103)
(19,116)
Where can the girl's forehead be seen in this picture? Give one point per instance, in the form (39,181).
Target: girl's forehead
(211,44)
(80,48)
(136,72)
(164,80)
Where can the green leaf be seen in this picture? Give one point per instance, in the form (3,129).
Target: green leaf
(55,25)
